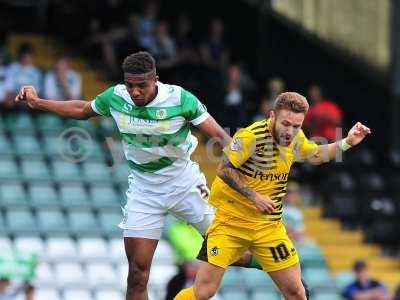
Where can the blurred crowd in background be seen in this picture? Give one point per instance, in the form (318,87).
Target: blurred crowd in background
(198,60)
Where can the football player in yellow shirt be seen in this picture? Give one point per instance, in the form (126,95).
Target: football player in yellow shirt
(248,193)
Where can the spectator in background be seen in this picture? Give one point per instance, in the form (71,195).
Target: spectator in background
(292,215)
(187,56)
(364,288)
(164,49)
(62,82)
(147,24)
(397,293)
(3,74)
(214,52)
(23,72)
(13,290)
(275,86)
(233,115)
(323,117)
(116,44)
(265,108)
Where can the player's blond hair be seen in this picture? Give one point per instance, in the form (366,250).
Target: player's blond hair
(291,101)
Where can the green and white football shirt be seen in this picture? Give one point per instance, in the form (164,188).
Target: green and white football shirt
(156,138)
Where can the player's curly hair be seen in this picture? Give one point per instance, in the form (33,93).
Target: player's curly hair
(291,101)
(139,63)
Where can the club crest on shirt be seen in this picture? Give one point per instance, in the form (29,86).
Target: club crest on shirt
(161,114)
(214,251)
(236,145)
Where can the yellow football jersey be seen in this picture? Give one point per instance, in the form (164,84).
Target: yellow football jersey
(265,166)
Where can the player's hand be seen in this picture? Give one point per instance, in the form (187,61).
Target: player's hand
(264,203)
(27,93)
(357,133)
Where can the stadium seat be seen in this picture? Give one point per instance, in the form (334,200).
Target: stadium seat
(107,294)
(108,127)
(122,272)
(265,295)
(3,230)
(27,145)
(52,146)
(97,152)
(96,172)
(5,242)
(233,279)
(49,124)
(51,222)
(20,221)
(161,274)
(117,250)
(65,171)
(82,223)
(34,170)
(343,205)
(6,148)
(384,232)
(74,294)
(235,295)
(164,253)
(311,256)
(61,249)
(318,278)
(70,275)
(102,275)
(30,244)
(343,279)
(109,223)
(326,296)
(12,195)
(9,169)
(73,195)
(19,123)
(120,173)
(43,195)
(47,294)
(104,196)
(93,249)
(44,276)
(257,279)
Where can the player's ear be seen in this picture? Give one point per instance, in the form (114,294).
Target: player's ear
(157,78)
(272,115)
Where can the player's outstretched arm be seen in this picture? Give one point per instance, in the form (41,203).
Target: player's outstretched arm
(75,109)
(212,129)
(234,179)
(355,136)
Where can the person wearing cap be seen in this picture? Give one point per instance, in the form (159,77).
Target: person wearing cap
(365,288)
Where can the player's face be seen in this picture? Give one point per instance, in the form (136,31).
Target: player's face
(285,125)
(142,89)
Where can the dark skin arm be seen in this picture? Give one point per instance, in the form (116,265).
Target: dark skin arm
(75,109)
(212,129)
(234,179)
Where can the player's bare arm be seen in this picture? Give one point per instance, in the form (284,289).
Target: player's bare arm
(212,129)
(234,179)
(75,109)
(355,136)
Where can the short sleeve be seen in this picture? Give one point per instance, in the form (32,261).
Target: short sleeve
(101,103)
(303,148)
(241,147)
(194,111)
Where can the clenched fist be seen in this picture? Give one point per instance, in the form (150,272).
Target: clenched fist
(28,94)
